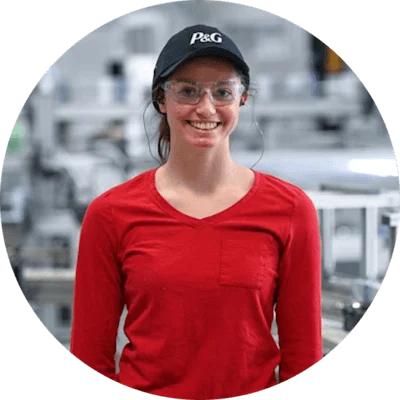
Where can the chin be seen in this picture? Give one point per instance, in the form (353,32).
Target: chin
(204,143)
(207,145)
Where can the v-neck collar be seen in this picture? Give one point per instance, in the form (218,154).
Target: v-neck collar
(212,219)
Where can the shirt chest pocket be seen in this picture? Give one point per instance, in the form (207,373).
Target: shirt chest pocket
(247,264)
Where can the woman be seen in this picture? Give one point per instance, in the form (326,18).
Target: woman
(202,251)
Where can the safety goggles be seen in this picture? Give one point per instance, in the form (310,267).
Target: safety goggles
(220,93)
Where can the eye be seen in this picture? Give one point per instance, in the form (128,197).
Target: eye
(187,91)
(223,93)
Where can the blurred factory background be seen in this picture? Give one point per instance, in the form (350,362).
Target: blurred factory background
(88,126)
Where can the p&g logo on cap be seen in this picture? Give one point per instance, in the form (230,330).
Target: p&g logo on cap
(205,37)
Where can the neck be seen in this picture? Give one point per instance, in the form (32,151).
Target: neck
(201,172)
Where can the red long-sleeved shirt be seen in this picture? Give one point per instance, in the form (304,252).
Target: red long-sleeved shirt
(200,293)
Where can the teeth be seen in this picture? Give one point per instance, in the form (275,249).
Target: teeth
(204,125)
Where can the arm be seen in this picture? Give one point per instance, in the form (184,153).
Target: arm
(298,305)
(98,293)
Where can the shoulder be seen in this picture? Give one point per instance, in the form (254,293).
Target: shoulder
(126,193)
(282,191)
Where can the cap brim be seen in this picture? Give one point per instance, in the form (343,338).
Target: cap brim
(209,51)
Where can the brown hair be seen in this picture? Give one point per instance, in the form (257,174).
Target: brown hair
(164,138)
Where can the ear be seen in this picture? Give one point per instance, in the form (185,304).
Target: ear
(162,107)
(244,98)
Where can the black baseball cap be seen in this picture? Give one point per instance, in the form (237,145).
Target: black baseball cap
(196,41)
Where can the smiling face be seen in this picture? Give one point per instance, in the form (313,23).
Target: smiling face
(202,125)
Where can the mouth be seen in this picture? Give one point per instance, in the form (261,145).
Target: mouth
(204,126)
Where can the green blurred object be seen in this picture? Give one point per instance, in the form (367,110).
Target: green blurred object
(15,143)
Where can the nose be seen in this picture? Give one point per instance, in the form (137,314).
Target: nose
(205,106)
